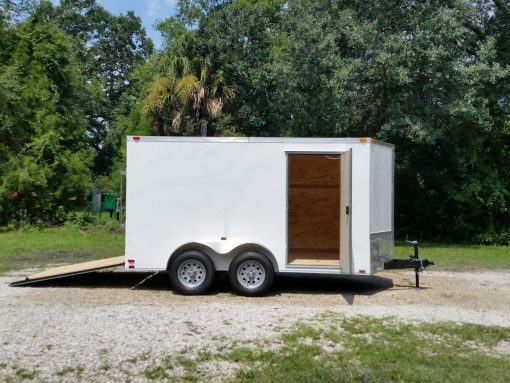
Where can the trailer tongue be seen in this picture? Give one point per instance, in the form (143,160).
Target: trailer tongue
(68,270)
(413,262)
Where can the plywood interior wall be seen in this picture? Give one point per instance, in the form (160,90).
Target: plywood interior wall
(314,208)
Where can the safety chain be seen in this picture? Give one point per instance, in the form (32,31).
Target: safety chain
(143,280)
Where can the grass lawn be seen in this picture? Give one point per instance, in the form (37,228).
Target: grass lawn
(37,248)
(328,348)
(457,257)
(332,348)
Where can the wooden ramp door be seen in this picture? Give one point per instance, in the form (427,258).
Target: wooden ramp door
(314,209)
(69,270)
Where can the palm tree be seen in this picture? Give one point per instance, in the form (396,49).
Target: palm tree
(206,93)
(160,103)
(190,91)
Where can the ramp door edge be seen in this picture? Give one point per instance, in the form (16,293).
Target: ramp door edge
(68,270)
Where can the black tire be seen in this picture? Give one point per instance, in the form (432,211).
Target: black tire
(259,266)
(191,284)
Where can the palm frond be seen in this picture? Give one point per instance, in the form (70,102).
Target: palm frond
(181,65)
(199,96)
(186,87)
(219,87)
(215,107)
(158,93)
(176,121)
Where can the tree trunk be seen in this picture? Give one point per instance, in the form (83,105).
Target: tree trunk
(203,127)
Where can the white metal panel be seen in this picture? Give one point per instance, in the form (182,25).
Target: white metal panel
(186,192)
(381,188)
(381,206)
(360,211)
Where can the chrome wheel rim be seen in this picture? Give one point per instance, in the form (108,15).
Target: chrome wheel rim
(251,274)
(191,273)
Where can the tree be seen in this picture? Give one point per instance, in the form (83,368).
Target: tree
(163,107)
(110,47)
(414,74)
(205,93)
(431,77)
(45,167)
(191,96)
(242,40)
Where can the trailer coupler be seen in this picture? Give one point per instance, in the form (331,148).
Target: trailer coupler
(414,262)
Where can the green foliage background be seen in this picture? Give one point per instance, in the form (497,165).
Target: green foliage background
(432,77)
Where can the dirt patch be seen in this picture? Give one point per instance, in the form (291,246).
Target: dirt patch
(502,348)
(61,329)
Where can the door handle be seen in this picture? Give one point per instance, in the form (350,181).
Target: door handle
(347,210)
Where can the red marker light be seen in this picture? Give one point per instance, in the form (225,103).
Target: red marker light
(131,261)
(136,138)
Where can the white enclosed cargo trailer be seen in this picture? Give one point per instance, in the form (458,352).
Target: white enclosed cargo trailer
(255,206)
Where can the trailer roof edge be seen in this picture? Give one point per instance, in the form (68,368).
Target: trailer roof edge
(297,140)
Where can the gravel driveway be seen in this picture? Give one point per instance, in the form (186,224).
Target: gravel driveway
(95,328)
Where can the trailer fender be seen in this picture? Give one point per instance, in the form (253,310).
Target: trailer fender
(255,247)
(223,252)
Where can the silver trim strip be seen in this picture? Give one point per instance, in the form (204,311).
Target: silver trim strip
(381,232)
(289,266)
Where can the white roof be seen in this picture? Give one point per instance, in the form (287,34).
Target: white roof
(329,140)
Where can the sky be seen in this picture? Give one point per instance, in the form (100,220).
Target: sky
(149,11)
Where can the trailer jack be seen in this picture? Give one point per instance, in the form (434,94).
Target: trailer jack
(414,262)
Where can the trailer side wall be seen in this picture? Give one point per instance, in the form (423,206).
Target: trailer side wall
(182,191)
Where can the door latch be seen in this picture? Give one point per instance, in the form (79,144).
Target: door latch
(347,210)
